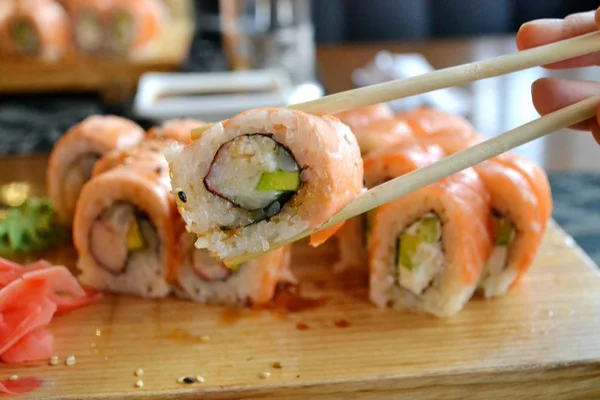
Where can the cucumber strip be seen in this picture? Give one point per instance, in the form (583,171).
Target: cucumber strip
(504,231)
(407,249)
(428,230)
(282,181)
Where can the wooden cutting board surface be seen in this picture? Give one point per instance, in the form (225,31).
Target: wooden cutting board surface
(540,341)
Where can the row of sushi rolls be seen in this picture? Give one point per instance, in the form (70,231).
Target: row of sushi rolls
(156,212)
(52,30)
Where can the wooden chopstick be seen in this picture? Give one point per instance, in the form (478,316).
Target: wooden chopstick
(415,180)
(453,76)
(447,77)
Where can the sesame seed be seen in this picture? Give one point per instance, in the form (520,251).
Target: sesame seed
(188,380)
(277,364)
(199,379)
(53,360)
(139,384)
(139,372)
(13,377)
(264,375)
(205,338)
(98,332)
(182,196)
(70,361)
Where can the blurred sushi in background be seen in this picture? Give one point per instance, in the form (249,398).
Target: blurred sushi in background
(89,21)
(134,27)
(37,29)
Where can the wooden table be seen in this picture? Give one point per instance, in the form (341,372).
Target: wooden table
(499,103)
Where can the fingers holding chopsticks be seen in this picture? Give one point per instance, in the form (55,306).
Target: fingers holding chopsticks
(544,31)
(551,94)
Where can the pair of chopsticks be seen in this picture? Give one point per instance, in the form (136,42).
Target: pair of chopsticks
(441,79)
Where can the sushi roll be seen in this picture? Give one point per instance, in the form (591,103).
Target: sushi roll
(379,167)
(383,134)
(427,249)
(178,130)
(202,278)
(89,23)
(360,117)
(130,210)
(134,27)
(263,177)
(75,154)
(38,29)
(520,207)
(518,224)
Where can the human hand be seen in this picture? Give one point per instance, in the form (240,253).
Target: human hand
(551,94)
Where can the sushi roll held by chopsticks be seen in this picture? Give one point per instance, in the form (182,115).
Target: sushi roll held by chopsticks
(264,176)
(37,29)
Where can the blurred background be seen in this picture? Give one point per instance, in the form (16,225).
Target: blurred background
(294,50)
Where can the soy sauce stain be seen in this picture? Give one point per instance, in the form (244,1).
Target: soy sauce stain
(287,300)
(302,326)
(181,336)
(341,323)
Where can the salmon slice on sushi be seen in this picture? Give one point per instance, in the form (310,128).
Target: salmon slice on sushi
(427,249)
(379,167)
(263,177)
(126,227)
(75,154)
(383,134)
(205,279)
(360,117)
(134,27)
(179,130)
(38,29)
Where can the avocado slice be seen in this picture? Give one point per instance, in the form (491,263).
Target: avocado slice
(407,248)
(504,231)
(282,181)
(428,230)
(134,237)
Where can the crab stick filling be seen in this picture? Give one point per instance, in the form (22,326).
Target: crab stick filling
(254,173)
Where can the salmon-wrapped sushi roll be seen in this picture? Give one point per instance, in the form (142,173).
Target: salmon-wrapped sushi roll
(75,154)
(126,228)
(178,130)
(360,117)
(379,167)
(383,134)
(89,18)
(134,27)
(521,205)
(202,278)
(518,226)
(427,249)
(263,177)
(38,29)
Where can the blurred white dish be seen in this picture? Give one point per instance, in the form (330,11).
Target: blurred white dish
(216,96)
(387,66)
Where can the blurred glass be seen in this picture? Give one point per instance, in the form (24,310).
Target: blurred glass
(269,34)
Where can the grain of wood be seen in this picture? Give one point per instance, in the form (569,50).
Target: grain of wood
(540,341)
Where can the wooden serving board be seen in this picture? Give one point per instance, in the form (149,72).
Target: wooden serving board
(540,341)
